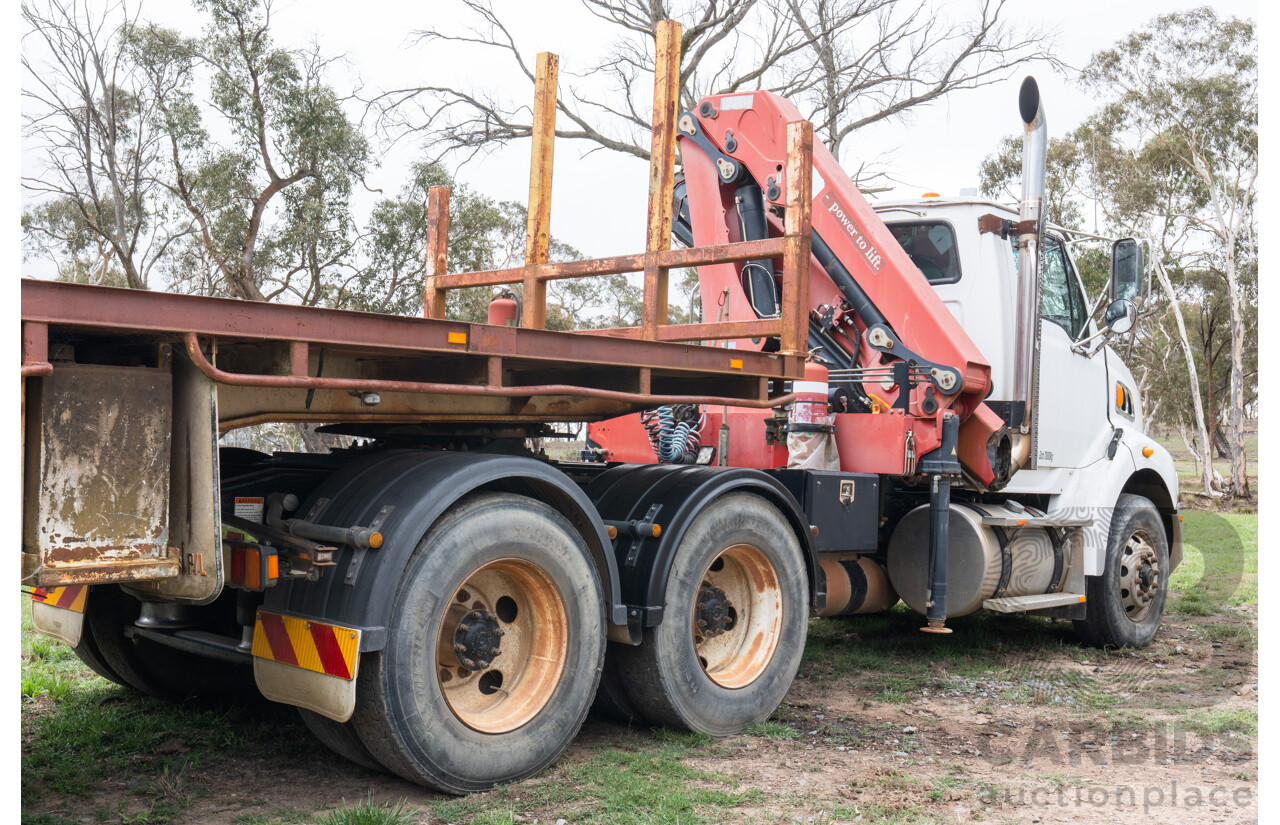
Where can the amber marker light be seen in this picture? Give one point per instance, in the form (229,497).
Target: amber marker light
(1148,452)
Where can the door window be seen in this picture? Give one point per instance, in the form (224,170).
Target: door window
(931,245)
(1060,298)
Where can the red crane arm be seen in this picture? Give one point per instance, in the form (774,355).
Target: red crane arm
(736,139)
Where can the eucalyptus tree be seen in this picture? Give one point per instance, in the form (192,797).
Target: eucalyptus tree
(264,161)
(1180,127)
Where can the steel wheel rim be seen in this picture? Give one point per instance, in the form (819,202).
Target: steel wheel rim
(1139,580)
(518,681)
(734,646)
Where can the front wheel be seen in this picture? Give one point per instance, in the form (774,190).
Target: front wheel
(493,652)
(1124,605)
(734,625)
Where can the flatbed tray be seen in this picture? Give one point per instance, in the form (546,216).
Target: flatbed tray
(279,362)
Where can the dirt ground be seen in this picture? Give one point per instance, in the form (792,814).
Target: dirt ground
(986,750)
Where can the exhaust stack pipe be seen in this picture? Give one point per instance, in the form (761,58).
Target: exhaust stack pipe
(1030,229)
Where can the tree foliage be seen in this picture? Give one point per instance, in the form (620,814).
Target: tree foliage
(288,135)
(1180,124)
(1171,157)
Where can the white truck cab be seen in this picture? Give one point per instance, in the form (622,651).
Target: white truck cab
(1088,444)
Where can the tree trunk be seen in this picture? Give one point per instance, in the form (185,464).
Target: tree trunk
(1239,451)
(1206,446)
(314,442)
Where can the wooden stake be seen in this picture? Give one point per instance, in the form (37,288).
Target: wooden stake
(662,163)
(537,242)
(433,300)
(797,226)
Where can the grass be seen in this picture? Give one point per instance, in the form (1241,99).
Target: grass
(1219,565)
(372,813)
(888,656)
(80,731)
(652,779)
(1219,721)
(1189,481)
(770,729)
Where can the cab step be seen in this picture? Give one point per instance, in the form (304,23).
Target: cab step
(1029,520)
(1021,604)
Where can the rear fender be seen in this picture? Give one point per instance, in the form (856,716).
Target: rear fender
(413,489)
(676,494)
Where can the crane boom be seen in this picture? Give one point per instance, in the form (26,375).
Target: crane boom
(866,296)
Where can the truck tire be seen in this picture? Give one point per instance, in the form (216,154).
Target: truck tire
(341,738)
(611,700)
(734,624)
(493,650)
(1124,606)
(87,651)
(152,668)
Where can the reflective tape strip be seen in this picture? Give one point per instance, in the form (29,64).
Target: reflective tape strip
(68,598)
(308,644)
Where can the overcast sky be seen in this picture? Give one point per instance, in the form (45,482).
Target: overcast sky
(599,200)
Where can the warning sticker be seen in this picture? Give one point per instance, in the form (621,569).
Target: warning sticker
(249,508)
(859,238)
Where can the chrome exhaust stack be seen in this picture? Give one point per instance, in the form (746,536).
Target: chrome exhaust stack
(1030,231)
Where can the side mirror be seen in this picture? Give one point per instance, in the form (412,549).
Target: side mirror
(1127,271)
(1122,314)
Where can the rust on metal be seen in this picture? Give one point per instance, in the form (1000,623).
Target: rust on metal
(711,331)
(134,312)
(101,495)
(537,242)
(299,352)
(440,388)
(35,349)
(798,228)
(662,163)
(437,261)
(734,652)
(526,646)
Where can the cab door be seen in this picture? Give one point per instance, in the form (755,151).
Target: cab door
(1072,398)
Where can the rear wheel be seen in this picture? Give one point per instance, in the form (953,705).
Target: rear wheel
(493,652)
(1124,606)
(150,667)
(341,738)
(734,624)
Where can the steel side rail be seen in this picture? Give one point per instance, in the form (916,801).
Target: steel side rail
(383,385)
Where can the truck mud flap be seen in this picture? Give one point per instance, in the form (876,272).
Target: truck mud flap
(121,479)
(306,663)
(59,612)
